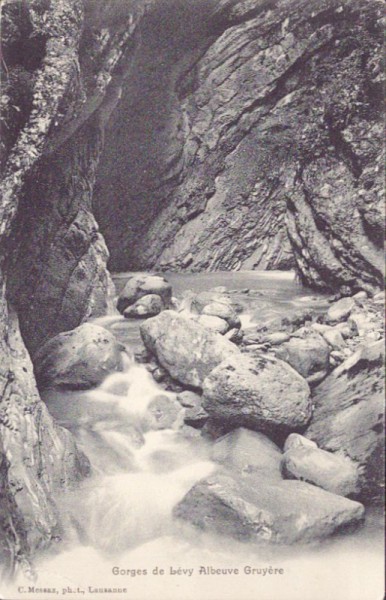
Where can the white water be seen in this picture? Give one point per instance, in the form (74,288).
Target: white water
(122,515)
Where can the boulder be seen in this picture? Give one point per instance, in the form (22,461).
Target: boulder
(78,359)
(147,306)
(140,285)
(340,310)
(379,298)
(247,451)
(203,299)
(223,310)
(234,335)
(309,356)
(332,472)
(259,392)
(281,512)
(362,322)
(186,349)
(349,416)
(214,323)
(195,415)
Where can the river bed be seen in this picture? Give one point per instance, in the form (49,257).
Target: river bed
(119,530)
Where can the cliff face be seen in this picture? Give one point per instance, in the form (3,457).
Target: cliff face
(63,63)
(251,141)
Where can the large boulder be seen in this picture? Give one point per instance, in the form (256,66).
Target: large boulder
(308,355)
(186,349)
(340,310)
(262,393)
(78,359)
(349,416)
(248,452)
(285,512)
(140,285)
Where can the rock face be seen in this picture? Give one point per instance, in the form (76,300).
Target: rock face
(277,512)
(38,457)
(262,393)
(268,148)
(349,416)
(78,359)
(186,349)
(64,62)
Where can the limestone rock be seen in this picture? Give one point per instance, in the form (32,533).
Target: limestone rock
(186,349)
(280,512)
(78,359)
(262,393)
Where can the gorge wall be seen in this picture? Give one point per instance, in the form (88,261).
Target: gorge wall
(243,135)
(251,139)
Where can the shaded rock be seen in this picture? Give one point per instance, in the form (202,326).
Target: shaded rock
(349,416)
(248,451)
(309,356)
(186,349)
(283,512)
(195,415)
(142,285)
(214,323)
(163,412)
(340,310)
(147,306)
(295,440)
(263,393)
(332,472)
(234,335)
(78,359)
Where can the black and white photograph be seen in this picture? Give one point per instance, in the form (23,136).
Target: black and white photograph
(192,299)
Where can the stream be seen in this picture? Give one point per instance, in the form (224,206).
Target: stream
(119,530)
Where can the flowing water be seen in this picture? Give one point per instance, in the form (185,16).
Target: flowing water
(119,530)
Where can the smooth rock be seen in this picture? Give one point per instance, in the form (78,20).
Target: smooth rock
(334,338)
(234,335)
(147,306)
(360,296)
(214,323)
(260,392)
(309,356)
(248,451)
(140,285)
(224,311)
(340,310)
(186,349)
(279,512)
(349,416)
(78,359)
(332,472)
(362,322)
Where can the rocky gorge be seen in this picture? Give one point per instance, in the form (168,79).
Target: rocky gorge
(191,136)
